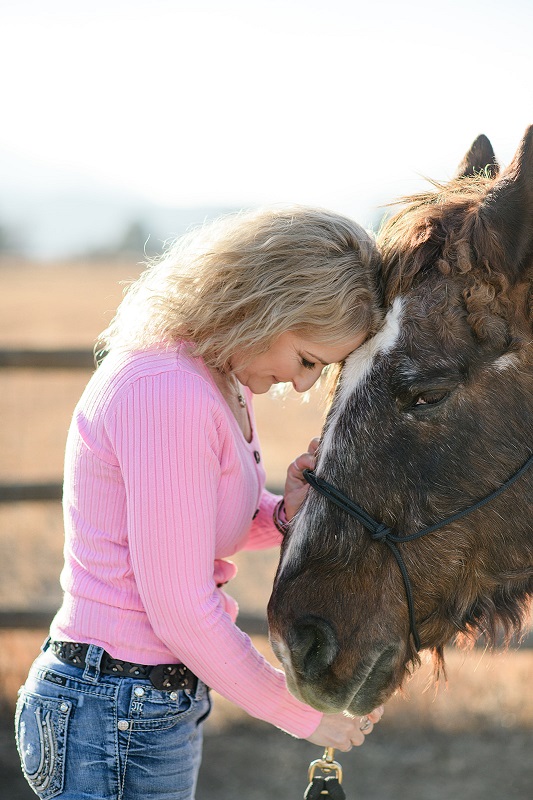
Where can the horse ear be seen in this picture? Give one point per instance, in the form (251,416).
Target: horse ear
(508,209)
(479,158)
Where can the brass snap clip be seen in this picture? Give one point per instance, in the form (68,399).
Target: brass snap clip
(326,764)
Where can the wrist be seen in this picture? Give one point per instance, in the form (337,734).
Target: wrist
(280,518)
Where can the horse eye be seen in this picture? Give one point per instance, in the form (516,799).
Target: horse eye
(430,398)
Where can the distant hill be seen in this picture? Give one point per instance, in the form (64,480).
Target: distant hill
(63,226)
(49,214)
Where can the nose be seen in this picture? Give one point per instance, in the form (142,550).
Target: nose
(302,383)
(313,645)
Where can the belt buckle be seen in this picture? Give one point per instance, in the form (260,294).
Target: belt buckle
(169,677)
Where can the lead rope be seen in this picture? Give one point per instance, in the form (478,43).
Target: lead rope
(329,783)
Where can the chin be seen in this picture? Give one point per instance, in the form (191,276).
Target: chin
(259,386)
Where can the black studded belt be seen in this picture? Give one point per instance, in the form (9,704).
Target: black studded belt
(166,677)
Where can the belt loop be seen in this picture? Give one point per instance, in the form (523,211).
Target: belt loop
(92,663)
(201,690)
(46,644)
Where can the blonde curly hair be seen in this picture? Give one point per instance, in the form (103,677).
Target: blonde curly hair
(238,283)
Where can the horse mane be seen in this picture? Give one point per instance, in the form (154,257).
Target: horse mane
(441,230)
(501,616)
(499,619)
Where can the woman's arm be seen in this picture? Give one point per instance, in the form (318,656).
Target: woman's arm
(166,433)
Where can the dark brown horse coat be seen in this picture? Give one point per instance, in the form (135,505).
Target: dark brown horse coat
(430,415)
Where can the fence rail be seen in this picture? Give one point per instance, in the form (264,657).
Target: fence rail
(27,358)
(252,624)
(24,492)
(32,619)
(16,358)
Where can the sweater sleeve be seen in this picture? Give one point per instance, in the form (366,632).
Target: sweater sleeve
(263,532)
(166,436)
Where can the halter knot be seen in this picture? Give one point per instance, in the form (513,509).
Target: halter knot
(381,533)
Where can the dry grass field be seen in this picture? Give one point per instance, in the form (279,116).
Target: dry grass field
(472,739)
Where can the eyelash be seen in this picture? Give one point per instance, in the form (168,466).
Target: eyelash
(307,364)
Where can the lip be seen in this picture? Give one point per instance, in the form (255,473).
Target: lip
(374,691)
(359,698)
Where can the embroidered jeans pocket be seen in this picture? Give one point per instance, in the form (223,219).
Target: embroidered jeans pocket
(41,731)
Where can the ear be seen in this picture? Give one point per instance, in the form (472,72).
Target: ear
(507,210)
(479,158)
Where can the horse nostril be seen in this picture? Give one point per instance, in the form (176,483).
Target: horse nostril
(313,645)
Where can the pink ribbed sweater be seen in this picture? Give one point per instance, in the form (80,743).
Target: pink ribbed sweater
(160,488)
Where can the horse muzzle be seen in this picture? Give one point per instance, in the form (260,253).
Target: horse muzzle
(311,657)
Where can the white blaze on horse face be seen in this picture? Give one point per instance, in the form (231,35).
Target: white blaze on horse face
(506,362)
(358,367)
(356,370)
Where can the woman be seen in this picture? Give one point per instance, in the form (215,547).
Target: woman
(164,481)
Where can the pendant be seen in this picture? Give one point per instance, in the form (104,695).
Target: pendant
(242,400)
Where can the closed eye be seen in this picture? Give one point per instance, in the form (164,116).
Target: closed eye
(307,364)
(426,402)
(430,398)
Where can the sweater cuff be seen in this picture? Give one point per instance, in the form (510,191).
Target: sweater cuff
(280,518)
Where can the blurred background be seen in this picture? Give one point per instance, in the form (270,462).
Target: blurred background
(128,120)
(124,124)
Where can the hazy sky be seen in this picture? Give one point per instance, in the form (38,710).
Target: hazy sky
(337,103)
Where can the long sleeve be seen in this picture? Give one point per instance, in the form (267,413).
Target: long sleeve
(263,533)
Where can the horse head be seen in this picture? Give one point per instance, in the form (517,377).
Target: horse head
(429,416)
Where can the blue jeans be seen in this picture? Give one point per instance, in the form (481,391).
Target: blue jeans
(86,736)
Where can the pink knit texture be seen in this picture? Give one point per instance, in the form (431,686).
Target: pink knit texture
(161,487)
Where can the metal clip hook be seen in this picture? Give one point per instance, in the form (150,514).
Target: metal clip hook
(327,764)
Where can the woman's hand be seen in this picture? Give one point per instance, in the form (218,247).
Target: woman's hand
(344,732)
(296,486)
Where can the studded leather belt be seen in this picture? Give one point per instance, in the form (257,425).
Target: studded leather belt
(165,677)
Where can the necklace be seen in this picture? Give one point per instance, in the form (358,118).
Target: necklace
(241,399)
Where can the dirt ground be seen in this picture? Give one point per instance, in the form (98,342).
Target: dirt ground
(254,762)
(469,740)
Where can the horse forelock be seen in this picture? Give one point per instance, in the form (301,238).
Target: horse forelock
(442,233)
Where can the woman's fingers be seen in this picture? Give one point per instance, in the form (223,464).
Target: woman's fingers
(313,445)
(343,732)
(305,460)
(376,714)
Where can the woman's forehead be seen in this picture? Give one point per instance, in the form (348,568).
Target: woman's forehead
(328,352)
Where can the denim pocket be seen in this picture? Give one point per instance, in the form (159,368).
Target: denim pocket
(151,709)
(41,731)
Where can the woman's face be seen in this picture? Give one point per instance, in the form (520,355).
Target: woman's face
(291,359)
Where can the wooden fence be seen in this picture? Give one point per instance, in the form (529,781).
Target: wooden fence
(40,360)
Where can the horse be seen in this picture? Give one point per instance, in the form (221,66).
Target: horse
(417,527)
